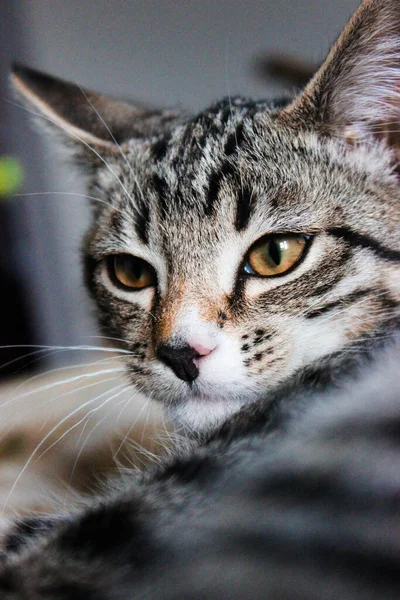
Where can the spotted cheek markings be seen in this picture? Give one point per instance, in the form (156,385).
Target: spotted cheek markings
(259,350)
(222,318)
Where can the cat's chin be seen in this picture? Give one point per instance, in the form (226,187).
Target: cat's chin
(203,415)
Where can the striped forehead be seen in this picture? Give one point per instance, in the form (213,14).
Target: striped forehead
(210,173)
(196,163)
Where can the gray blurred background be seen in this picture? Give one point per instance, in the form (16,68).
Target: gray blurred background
(183,53)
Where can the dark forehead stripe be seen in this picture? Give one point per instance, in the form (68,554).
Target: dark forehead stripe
(225,171)
(364,241)
(142,222)
(234,140)
(160,146)
(244,207)
(209,124)
(160,186)
(141,218)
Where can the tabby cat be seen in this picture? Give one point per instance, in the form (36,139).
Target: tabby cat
(248,259)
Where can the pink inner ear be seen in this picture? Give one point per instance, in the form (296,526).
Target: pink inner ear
(356,93)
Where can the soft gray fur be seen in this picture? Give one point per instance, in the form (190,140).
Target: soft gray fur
(240,357)
(192,195)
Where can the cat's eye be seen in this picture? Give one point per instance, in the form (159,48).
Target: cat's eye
(275,254)
(131,272)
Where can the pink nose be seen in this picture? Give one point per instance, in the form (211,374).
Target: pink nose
(201,349)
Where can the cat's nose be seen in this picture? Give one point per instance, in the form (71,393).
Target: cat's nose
(181,359)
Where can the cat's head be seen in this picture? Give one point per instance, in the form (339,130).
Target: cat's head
(232,249)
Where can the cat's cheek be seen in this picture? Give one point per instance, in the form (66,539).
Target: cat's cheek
(315,340)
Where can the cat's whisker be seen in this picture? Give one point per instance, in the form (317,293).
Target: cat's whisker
(378,337)
(141,453)
(165,434)
(136,467)
(126,404)
(75,194)
(144,407)
(170,440)
(154,458)
(43,354)
(83,387)
(69,380)
(106,337)
(136,391)
(44,440)
(86,416)
(61,348)
(89,416)
(73,134)
(124,157)
(146,421)
(80,389)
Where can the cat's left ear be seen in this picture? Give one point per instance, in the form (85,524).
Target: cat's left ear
(87,119)
(356,93)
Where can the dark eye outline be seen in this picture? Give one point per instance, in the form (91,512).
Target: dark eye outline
(247,271)
(110,263)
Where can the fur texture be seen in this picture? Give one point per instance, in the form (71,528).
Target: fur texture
(277,503)
(192,195)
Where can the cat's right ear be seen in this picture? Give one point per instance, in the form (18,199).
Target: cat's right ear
(355,95)
(84,117)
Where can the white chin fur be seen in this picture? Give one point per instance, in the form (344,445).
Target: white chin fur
(202,416)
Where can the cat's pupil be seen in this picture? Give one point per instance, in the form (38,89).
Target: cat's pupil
(131,272)
(274,251)
(274,255)
(132,267)
(136,270)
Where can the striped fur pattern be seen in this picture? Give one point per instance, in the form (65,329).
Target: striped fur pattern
(191,194)
(293,492)
(207,201)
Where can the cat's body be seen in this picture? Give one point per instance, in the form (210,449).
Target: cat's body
(297,508)
(248,259)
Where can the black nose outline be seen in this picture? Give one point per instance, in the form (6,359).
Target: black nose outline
(180,360)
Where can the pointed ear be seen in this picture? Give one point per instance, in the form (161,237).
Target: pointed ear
(356,92)
(84,116)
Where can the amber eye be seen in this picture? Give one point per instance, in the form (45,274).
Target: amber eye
(275,254)
(131,272)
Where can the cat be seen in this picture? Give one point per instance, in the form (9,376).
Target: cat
(248,259)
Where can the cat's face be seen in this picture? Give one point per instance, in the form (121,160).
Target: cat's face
(231,250)
(249,266)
